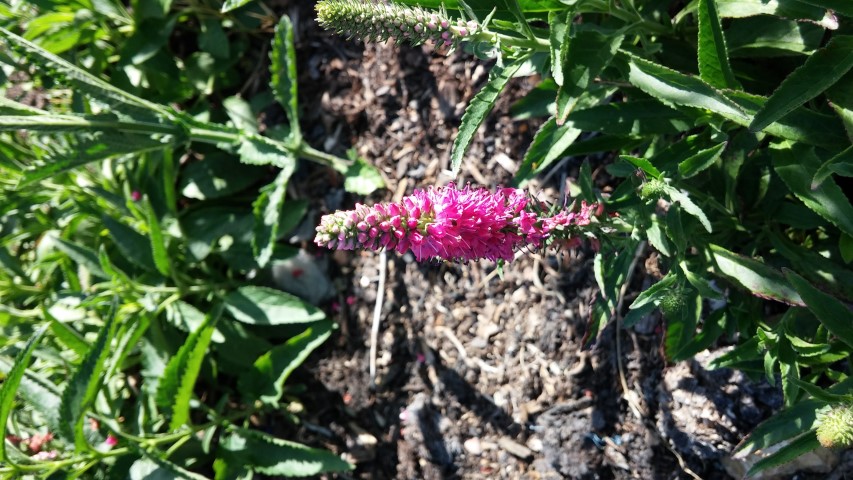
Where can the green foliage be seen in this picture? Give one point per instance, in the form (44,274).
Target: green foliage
(730,125)
(128,237)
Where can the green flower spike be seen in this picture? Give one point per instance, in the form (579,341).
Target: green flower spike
(381,21)
(835,426)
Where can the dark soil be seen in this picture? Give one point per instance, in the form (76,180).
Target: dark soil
(480,376)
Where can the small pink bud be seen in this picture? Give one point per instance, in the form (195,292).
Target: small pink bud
(135,195)
(111,441)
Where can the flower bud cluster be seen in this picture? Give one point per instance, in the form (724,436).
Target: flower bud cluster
(456,225)
(835,426)
(380,21)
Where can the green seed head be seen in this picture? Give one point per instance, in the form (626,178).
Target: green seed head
(673,302)
(835,427)
(652,189)
(380,21)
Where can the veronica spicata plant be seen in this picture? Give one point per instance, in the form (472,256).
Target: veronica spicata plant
(725,131)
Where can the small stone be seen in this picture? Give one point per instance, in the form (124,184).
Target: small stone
(472,446)
(514,448)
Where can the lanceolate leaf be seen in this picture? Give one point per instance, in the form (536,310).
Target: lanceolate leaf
(269,455)
(176,386)
(688,206)
(714,65)
(758,278)
(698,162)
(283,73)
(266,380)
(257,150)
(82,255)
(583,57)
(839,164)
(85,382)
(267,210)
(78,78)
(266,306)
(803,444)
(549,143)
(797,164)
(477,110)
(10,386)
(843,7)
(833,314)
(820,71)
(229,5)
(158,243)
(676,89)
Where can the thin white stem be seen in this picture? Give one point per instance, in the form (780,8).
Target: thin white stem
(377,314)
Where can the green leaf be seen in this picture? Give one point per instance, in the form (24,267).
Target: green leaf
(703,159)
(681,322)
(637,118)
(154,467)
(700,283)
(676,89)
(240,113)
(267,209)
(797,164)
(214,177)
(78,78)
(362,178)
(643,164)
(799,446)
(653,294)
(176,386)
(755,276)
(269,455)
(283,73)
(712,328)
(821,394)
(820,71)
(10,386)
(82,255)
(687,205)
(266,380)
(549,143)
(266,306)
(558,34)
(229,5)
(582,58)
(478,108)
(833,314)
(257,150)
(514,8)
(841,164)
(158,243)
(714,65)
(84,384)
(133,245)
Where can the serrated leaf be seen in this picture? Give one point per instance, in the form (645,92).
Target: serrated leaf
(676,89)
(797,164)
(132,244)
(696,164)
(801,125)
(84,384)
(229,5)
(700,283)
(257,150)
(240,113)
(267,210)
(266,380)
(833,314)
(637,118)
(158,243)
(549,143)
(819,72)
(154,467)
(478,108)
(10,385)
(714,65)
(653,294)
(755,276)
(80,79)
(643,164)
(176,385)
(844,160)
(688,206)
(558,29)
(82,255)
(799,446)
(657,238)
(283,73)
(269,455)
(820,394)
(267,306)
(582,58)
